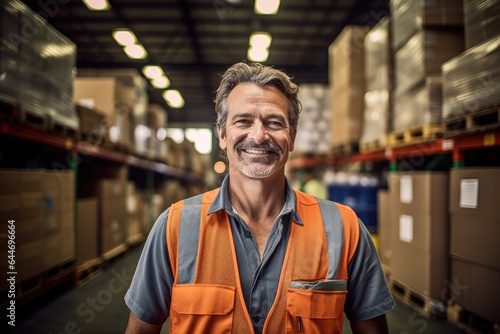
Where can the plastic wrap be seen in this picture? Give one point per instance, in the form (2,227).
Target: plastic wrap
(378,83)
(38,63)
(471,81)
(418,107)
(481,21)
(408,16)
(424,55)
(313,135)
(378,56)
(376,116)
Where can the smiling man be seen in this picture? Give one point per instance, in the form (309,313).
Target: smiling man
(256,256)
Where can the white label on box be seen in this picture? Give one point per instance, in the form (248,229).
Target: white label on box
(406,189)
(469,190)
(406,228)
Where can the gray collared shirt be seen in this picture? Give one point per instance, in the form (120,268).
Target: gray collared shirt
(150,292)
(259,279)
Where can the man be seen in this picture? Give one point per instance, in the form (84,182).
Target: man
(256,256)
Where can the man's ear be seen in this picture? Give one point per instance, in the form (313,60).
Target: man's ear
(222,138)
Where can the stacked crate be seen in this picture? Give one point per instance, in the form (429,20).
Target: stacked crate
(474,247)
(118,95)
(425,35)
(313,135)
(58,225)
(418,238)
(347,81)
(21,199)
(470,80)
(38,63)
(42,205)
(378,81)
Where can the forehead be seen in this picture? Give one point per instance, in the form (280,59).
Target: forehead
(250,95)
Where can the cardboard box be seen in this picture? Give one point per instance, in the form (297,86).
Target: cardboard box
(475,215)
(87,236)
(419,203)
(385,228)
(476,288)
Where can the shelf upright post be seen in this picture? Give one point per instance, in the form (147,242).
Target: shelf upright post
(458,158)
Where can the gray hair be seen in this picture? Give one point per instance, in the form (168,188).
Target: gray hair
(260,75)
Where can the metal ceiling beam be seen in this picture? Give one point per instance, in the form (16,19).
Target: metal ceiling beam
(195,43)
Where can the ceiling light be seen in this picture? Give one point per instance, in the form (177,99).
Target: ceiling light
(152,72)
(124,37)
(136,51)
(260,40)
(267,7)
(161,82)
(256,54)
(97,4)
(174,98)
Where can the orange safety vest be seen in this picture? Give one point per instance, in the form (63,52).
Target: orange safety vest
(214,302)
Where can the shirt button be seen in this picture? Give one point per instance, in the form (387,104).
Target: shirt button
(248,234)
(255,319)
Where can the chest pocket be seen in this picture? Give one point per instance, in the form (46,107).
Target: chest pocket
(201,308)
(315,311)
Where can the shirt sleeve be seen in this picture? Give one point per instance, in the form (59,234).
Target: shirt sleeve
(368,294)
(149,294)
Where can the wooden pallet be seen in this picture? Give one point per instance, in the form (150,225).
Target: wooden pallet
(345,149)
(113,255)
(87,271)
(427,307)
(12,113)
(480,121)
(415,135)
(373,146)
(469,322)
(57,271)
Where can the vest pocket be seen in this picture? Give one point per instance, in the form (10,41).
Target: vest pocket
(315,311)
(201,308)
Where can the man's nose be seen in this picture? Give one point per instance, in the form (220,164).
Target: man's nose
(258,133)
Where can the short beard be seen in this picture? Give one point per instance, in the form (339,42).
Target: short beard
(268,164)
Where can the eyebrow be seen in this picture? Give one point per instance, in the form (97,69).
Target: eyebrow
(251,115)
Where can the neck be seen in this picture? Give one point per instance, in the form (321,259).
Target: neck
(258,199)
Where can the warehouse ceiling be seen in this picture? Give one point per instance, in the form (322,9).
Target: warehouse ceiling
(194,41)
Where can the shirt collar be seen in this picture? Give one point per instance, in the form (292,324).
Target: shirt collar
(222,202)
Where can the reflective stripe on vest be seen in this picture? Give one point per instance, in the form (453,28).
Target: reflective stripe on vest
(207,295)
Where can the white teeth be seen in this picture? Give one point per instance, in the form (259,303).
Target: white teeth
(256,152)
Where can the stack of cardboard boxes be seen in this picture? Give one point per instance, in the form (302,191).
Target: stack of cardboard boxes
(474,247)
(347,81)
(425,35)
(42,205)
(418,227)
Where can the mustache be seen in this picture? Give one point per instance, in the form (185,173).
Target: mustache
(248,145)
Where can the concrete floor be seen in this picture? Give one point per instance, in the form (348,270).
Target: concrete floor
(98,307)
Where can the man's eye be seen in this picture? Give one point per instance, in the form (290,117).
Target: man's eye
(275,124)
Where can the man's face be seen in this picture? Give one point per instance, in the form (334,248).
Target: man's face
(257,138)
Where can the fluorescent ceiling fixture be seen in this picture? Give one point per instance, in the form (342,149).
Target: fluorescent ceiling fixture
(261,40)
(161,134)
(135,51)
(57,50)
(97,4)
(176,134)
(152,72)
(160,82)
(124,37)
(202,139)
(267,7)
(174,98)
(259,55)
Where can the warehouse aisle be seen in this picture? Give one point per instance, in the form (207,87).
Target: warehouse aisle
(98,307)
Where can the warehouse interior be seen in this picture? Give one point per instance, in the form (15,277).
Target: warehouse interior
(107,118)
